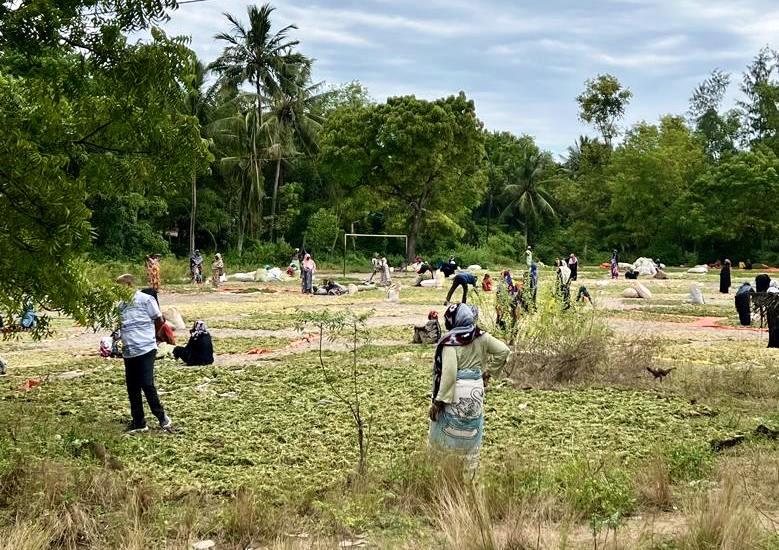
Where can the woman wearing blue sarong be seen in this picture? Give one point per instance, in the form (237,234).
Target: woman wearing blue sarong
(462,360)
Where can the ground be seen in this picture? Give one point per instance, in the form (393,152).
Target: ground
(263,422)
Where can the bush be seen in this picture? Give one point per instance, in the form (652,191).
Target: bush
(258,254)
(689,462)
(603,494)
(554,345)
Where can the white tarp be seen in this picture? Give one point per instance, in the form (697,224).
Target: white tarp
(645,266)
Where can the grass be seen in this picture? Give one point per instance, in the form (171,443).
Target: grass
(264,450)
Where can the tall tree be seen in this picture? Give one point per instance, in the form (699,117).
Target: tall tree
(719,130)
(293,123)
(83,113)
(526,192)
(505,153)
(422,158)
(259,56)
(232,130)
(603,103)
(199,104)
(761,104)
(649,171)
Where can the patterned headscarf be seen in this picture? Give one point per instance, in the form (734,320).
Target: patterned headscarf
(460,320)
(198,329)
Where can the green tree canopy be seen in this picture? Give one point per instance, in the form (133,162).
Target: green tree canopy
(423,159)
(603,103)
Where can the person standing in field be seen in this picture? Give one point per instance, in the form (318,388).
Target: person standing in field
(376,263)
(529,256)
(196,267)
(307,270)
(217,270)
(140,321)
(462,363)
(153,271)
(573,265)
(724,278)
(614,264)
(386,278)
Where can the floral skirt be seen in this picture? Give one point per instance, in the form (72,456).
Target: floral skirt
(460,425)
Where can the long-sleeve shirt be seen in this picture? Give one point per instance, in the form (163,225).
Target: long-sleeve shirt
(484,353)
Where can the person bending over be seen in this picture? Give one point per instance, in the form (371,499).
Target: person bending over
(140,317)
(463,280)
(584,295)
(199,350)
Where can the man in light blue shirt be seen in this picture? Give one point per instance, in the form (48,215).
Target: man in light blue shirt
(140,319)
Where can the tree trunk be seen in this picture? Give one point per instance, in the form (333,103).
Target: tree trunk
(416,223)
(257,161)
(273,201)
(526,227)
(192,215)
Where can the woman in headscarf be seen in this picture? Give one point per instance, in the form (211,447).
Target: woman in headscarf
(200,349)
(573,265)
(153,272)
(217,270)
(724,278)
(196,267)
(614,264)
(307,271)
(460,368)
(386,278)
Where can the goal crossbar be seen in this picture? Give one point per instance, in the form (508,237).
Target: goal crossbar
(372,235)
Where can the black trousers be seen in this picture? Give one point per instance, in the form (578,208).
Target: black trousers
(139,376)
(457,282)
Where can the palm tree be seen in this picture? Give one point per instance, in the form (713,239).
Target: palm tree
(293,123)
(527,194)
(260,57)
(232,130)
(198,103)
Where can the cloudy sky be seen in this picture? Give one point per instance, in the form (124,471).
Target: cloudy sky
(522,62)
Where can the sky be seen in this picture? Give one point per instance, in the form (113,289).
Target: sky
(523,63)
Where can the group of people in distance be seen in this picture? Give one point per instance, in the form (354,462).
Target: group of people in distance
(196,275)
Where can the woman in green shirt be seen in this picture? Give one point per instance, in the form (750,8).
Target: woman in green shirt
(462,359)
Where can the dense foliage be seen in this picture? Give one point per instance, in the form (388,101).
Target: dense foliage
(115,149)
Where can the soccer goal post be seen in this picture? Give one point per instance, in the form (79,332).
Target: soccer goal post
(373,236)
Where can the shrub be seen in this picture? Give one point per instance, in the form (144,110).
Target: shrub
(259,253)
(602,494)
(689,462)
(556,345)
